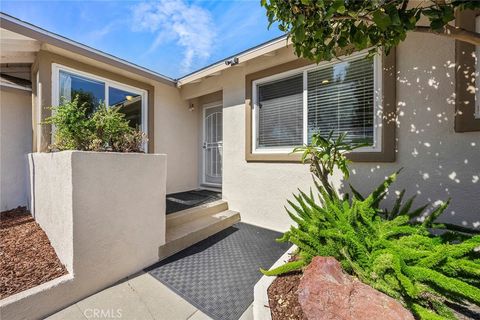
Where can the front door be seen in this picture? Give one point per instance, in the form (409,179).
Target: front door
(212,146)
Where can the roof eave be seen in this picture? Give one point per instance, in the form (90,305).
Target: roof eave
(34,32)
(244,56)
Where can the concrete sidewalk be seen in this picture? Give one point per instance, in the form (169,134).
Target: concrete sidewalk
(141,297)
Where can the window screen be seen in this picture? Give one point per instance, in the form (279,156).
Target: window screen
(280,114)
(340,98)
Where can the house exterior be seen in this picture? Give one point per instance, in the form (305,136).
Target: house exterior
(232,125)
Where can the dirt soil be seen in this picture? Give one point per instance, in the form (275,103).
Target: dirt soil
(283,299)
(27,258)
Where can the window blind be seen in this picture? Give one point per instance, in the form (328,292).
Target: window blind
(280,114)
(341,98)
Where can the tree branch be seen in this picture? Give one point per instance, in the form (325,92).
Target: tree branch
(362,18)
(453,32)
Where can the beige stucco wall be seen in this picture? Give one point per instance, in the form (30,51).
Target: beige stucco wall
(438,163)
(176,135)
(51,182)
(104,214)
(15,143)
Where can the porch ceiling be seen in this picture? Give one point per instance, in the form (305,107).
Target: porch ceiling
(17,48)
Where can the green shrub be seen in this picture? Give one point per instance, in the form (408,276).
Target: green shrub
(73,128)
(401,259)
(387,249)
(104,129)
(324,154)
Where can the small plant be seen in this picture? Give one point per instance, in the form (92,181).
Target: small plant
(324,154)
(401,259)
(73,128)
(104,129)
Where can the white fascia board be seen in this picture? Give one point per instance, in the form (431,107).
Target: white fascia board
(28,30)
(242,57)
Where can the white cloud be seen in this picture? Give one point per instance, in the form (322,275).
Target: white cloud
(100,34)
(190,26)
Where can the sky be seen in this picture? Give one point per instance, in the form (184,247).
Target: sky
(171,37)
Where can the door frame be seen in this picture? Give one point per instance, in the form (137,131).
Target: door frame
(204,109)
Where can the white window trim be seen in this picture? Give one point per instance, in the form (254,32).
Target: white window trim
(377,108)
(56,68)
(38,111)
(477,72)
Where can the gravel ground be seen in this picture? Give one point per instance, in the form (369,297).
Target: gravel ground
(27,258)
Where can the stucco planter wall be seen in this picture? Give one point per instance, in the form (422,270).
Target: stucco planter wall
(261,309)
(104,214)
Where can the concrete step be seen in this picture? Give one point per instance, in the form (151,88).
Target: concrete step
(198,228)
(184,216)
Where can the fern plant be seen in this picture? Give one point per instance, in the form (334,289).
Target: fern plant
(385,250)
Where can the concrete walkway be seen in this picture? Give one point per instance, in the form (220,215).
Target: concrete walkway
(141,297)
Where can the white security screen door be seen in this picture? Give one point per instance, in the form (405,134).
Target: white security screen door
(212,145)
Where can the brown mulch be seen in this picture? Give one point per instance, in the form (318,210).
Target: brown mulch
(283,299)
(27,258)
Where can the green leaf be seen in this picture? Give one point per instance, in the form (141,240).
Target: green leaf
(286,268)
(381,19)
(437,24)
(299,34)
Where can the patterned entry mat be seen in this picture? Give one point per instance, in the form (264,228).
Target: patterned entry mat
(217,275)
(189,199)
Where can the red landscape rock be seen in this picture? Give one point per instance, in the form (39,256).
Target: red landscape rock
(326,292)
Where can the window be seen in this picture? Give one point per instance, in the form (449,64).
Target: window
(477,71)
(280,113)
(467,78)
(93,91)
(341,96)
(129,103)
(89,92)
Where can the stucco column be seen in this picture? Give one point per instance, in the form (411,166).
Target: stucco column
(42,101)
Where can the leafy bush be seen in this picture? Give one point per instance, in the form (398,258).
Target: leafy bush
(401,259)
(73,129)
(323,29)
(105,129)
(386,249)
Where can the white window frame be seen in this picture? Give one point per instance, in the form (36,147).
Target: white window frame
(56,68)
(377,108)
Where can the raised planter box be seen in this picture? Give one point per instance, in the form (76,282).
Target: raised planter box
(261,309)
(104,214)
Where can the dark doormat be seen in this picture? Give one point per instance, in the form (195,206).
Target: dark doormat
(217,275)
(189,199)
